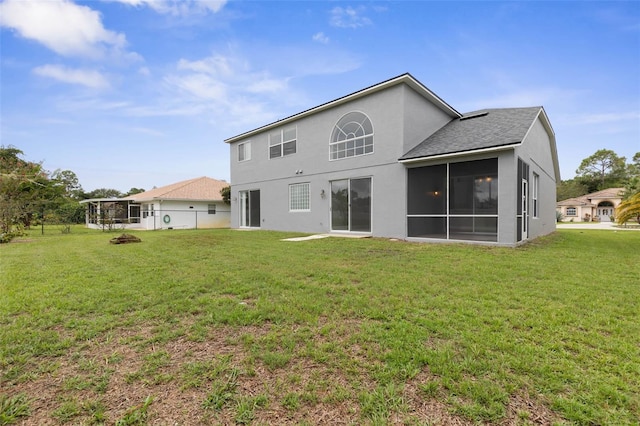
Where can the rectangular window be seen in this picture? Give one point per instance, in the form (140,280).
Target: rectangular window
(244,151)
(282,142)
(534,196)
(571,211)
(211,209)
(299,197)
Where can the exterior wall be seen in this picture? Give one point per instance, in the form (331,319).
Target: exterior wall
(536,150)
(421,119)
(591,210)
(581,212)
(189,215)
(507,197)
(401,119)
(395,115)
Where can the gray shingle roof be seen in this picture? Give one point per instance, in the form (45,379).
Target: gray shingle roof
(489,128)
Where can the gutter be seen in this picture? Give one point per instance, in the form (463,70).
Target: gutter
(459,153)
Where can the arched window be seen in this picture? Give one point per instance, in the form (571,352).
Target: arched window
(352,136)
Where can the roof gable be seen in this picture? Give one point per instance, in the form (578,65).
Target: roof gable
(406,78)
(478,130)
(202,188)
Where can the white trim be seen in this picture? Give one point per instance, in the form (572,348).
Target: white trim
(544,119)
(308,197)
(245,144)
(459,154)
(282,141)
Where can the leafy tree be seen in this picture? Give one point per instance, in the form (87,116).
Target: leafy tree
(629,209)
(570,189)
(133,191)
(27,191)
(633,171)
(604,169)
(226,194)
(24,188)
(103,193)
(69,182)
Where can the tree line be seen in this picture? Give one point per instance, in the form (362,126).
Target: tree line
(30,194)
(604,169)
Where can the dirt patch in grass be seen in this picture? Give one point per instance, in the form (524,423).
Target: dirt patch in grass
(108,378)
(522,409)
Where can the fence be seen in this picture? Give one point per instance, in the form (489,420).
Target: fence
(165,219)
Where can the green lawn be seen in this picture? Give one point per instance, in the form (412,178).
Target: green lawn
(221,326)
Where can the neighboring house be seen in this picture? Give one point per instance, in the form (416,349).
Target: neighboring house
(599,206)
(394,160)
(194,203)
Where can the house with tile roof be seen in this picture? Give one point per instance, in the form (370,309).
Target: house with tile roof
(597,206)
(194,203)
(395,160)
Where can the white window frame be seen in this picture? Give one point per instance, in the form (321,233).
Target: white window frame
(211,209)
(534,195)
(300,197)
(571,211)
(244,151)
(345,143)
(281,140)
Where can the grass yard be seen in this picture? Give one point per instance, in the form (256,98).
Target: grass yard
(230,327)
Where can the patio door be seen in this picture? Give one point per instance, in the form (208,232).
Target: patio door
(250,209)
(525,209)
(351,205)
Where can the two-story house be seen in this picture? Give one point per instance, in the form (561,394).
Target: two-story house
(394,160)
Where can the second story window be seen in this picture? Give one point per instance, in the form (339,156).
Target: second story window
(352,136)
(282,142)
(244,151)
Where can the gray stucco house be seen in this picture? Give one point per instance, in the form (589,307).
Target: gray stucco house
(394,160)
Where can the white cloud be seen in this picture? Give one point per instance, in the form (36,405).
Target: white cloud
(349,17)
(64,27)
(236,91)
(88,78)
(178,7)
(200,86)
(320,38)
(227,86)
(268,85)
(216,65)
(144,71)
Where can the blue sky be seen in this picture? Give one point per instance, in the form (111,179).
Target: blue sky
(142,93)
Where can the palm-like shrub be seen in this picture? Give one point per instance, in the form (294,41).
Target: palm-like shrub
(629,209)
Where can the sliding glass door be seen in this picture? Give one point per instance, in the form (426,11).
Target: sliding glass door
(351,205)
(250,209)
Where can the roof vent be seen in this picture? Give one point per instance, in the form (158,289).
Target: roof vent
(474,115)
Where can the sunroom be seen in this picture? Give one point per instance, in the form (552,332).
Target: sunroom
(454,201)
